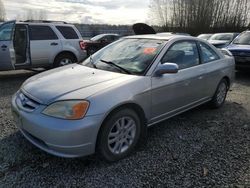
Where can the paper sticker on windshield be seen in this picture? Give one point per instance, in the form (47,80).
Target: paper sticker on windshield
(149,50)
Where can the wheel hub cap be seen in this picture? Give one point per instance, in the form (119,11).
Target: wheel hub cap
(222,91)
(121,135)
(65,62)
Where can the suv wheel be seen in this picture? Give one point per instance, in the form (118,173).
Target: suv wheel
(64,59)
(119,135)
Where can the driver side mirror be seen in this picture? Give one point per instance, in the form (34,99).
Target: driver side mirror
(167,68)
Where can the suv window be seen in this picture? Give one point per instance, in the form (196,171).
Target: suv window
(42,33)
(6,31)
(67,32)
(208,54)
(184,54)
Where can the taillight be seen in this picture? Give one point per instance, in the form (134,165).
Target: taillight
(82,45)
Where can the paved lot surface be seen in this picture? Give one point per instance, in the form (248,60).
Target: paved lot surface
(200,148)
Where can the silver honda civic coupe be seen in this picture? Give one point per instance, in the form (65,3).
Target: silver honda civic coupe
(106,103)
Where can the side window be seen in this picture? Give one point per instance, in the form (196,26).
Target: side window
(116,38)
(6,32)
(111,38)
(67,32)
(106,39)
(184,54)
(42,33)
(207,53)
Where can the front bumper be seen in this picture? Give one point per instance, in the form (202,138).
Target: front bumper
(242,62)
(64,138)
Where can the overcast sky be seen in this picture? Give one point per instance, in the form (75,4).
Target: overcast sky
(82,11)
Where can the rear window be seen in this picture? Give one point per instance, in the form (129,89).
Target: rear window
(67,32)
(42,33)
(208,54)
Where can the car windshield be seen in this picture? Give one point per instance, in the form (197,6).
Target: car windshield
(227,37)
(243,39)
(96,38)
(132,56)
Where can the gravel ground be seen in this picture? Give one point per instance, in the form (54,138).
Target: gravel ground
(200,148)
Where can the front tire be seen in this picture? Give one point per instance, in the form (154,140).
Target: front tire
(220,94)
(119,135)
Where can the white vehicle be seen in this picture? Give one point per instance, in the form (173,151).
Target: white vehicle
(33,44)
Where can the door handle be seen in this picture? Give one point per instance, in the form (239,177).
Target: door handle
(54,44)
(4,46)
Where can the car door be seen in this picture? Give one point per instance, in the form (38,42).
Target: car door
(44,44)
(213,65)
(7,52)
(174,93)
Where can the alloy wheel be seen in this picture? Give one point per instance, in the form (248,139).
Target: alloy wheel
(121,135)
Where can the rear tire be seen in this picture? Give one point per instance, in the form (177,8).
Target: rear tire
(119,135)
(220,94)
(64,59)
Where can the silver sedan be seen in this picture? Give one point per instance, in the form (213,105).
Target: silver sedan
(106,103)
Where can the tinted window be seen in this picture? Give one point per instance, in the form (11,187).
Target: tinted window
(208,54)
(113,38)
(42,33)
(6,31)
(67,32)
(184,54)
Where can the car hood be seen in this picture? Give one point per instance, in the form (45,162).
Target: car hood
(218,42)
(237,47)
(51,85)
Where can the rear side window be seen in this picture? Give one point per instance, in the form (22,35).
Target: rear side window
(67,32)
(42,33)
(208,54)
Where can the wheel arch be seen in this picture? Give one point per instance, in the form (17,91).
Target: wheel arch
(130,105)
(227,80)
(65,52)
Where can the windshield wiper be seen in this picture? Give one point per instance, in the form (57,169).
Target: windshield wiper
(115,65)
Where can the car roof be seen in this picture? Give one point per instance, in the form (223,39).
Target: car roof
(107,34)
(160,37)
(49,23)
(206,34)
(225,33)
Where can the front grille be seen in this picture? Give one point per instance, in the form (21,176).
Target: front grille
(26,103)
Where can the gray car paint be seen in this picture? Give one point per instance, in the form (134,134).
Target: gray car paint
(158,97)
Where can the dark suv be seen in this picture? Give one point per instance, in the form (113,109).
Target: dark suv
(99,41)
(240,48)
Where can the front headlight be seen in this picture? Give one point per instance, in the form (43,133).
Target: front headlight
(72,110)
